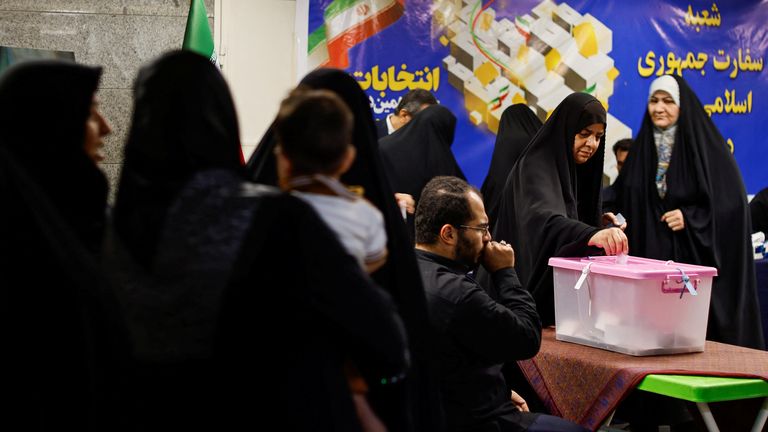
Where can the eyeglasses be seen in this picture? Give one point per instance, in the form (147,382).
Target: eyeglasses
(484,228)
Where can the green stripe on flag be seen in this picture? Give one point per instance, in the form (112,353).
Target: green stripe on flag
(197,36)
(590,89)
(522,21)
(338,7)
(315,38)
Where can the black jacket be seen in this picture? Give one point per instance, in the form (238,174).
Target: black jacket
(381,128)
(477,333)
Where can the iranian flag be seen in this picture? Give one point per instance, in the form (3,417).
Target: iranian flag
(197,36)
(346,24)
(523,27)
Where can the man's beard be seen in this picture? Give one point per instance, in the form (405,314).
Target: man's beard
(464,252)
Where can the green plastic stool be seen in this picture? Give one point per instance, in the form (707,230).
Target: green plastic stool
(703,389)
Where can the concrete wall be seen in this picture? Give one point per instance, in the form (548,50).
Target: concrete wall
(119,35)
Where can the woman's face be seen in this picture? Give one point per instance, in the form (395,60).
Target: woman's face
(586,142)
(663,110)
(96,128)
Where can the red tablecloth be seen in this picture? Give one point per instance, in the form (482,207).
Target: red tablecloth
(585,384)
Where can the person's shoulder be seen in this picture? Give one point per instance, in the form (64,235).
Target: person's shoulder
(366,207)
(434,264)
(333,203)
(276,200)
(424,257)
(451,288)
(762,196)
(250,189)
(381,127)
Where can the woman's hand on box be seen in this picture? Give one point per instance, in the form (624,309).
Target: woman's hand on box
(612,240)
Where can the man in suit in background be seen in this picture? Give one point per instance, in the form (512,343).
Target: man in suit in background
(413,102)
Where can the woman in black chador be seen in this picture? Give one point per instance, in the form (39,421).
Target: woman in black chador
(551,201)
(421,150)
(412,404)
(682,195)
(63,343)
(517,126)
(49,107)
(246,291)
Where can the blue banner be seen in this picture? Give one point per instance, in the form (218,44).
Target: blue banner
(478,57)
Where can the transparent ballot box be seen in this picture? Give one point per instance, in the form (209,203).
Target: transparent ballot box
(632,305)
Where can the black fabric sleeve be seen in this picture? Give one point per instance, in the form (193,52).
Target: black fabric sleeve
(341,291)
(759,209)
(317,283)
(499,330)
(609,200)
(572,237)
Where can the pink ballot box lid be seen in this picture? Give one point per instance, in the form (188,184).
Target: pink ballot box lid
(635,267)
(632,305)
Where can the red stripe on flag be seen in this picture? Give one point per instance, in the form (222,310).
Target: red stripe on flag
(500,101)
(339,46)
(523,33)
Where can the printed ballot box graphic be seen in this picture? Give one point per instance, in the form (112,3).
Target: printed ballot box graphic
(545,55)
(641,307)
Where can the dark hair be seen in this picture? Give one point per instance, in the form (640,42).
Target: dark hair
(314,130)
(622,145)
(414,99)
(444,200)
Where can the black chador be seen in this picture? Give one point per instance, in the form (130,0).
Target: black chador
(550,205)
(704,182)
(421,150)
(517,126)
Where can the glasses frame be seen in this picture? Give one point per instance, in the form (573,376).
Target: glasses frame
(485,229)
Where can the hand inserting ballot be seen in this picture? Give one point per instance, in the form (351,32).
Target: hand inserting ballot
(612,240)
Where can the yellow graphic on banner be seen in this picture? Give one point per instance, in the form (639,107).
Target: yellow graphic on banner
(709,18)
(384,80)
(486,73)
(552,59)
(739,63)
(673,64)
(586,39)
(536,58)
(426,79)
(730,105)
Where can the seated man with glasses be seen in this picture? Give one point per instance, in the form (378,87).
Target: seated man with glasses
(477,331)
